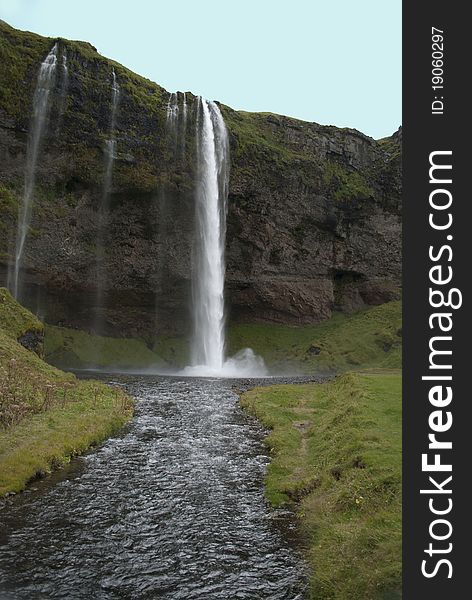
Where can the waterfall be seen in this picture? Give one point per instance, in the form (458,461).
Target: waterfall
(184,110)
(110,143)
(41,105)
(183,132)
(208,344)
(110,154)
(64,83)
(176,123)
(208,273)
(172,110)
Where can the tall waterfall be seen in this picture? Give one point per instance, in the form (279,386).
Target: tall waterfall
(208,344)
(41,106)
(208,275)
(110,154)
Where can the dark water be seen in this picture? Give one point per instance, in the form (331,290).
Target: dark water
(172,508)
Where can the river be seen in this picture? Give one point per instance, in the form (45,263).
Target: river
(171,508)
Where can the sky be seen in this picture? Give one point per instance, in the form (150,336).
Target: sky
(336,62)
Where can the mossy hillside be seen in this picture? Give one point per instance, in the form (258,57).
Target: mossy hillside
(86,113)
(75,349)
(261,142)
(370,338)
(336,459)
(46,441)
(15,320)
(23,52)
(46,415)
(391,146)
(346,184)
(255,141)
(20,54)
(261,149)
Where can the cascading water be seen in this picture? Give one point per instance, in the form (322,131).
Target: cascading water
(176,123)
(110,154)
(209,270)
(64,84)
(184,110)
(208,341)
(183,126)
(41,106)
(172,114)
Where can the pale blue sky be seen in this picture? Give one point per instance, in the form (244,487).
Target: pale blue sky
(337,62)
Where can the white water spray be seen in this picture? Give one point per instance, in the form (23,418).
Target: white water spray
(184,110)
(41,105)
(208,341)
(172,110)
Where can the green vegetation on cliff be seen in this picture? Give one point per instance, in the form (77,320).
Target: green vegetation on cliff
(46,416)
(20,54)
(366,339)
(346,184)
(336,459)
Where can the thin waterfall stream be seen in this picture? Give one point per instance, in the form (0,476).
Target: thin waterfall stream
(103,222)
(41,106)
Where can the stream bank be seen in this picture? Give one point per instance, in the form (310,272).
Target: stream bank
(336,462)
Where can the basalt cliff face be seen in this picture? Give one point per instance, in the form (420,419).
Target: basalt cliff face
(314,212)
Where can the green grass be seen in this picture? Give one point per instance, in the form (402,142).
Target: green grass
(73,348)
(336,458)
(20,53)
(14,319)
(46,415)
(370,338)
(346,184)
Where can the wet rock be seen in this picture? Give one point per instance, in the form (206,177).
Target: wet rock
(34,341)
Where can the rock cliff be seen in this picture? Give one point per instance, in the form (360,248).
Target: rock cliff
(314,212)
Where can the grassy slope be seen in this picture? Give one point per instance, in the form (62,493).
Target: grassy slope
(72,348)
(15,320)
(47,415)
(371,338)
(337,457)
